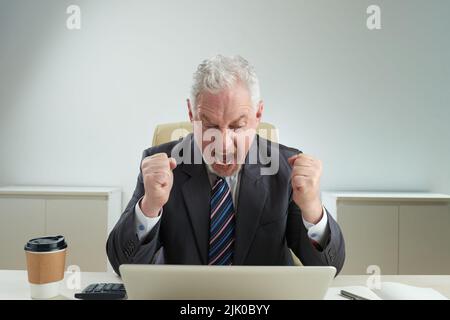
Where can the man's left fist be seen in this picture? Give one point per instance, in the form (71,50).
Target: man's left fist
(305,179)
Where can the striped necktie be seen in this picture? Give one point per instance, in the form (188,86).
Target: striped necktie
(222,224)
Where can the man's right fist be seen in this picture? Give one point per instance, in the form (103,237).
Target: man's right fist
(158,180)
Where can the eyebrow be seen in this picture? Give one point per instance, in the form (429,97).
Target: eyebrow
(205,118)
(242,116)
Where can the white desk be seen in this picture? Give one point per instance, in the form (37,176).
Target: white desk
(14,283)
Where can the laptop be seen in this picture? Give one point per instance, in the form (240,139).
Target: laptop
(200,282)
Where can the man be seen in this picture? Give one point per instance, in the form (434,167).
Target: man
(221,208)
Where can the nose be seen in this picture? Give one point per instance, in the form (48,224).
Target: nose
(227,142)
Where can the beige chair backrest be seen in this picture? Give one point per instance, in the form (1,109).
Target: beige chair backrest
(173,131)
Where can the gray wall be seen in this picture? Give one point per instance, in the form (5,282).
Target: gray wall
(78,107)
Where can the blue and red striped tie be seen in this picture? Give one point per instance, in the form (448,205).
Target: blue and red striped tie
(222,224)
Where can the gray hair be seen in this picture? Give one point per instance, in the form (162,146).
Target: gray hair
(221,72)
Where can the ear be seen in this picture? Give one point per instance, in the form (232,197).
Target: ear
(191,114)
(259,111)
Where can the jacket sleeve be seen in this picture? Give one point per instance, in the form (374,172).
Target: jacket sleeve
(333,254)
(123,245)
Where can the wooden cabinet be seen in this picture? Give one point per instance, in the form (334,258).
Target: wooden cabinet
(83,215)
(401,233)
(424,239)
(371,237)
(20,219)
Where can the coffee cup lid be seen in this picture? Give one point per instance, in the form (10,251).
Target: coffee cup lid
(45,244)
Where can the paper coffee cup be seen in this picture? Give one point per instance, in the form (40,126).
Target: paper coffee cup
(46,261)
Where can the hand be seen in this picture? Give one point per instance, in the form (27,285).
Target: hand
(305,179)
(158,180)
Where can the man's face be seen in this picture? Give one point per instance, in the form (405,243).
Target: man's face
(230,118)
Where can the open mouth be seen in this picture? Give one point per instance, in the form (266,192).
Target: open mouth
(224,158)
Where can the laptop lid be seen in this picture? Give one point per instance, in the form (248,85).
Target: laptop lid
(187,282)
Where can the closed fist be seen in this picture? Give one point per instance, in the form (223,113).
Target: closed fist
(158,180)
(305,179)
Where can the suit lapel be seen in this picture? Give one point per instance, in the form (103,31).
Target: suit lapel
(252,197)
(196,193)
(251,202)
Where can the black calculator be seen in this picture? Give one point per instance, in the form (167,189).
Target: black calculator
(103,291)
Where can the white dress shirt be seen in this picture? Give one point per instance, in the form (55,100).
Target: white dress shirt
(317,232)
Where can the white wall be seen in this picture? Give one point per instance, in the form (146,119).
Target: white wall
(78,107)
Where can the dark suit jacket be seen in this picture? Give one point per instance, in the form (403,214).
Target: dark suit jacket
(268,222)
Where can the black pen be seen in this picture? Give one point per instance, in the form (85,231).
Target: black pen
(352,296)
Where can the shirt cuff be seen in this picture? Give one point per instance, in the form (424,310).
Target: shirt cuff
(144,224)
(318,232)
